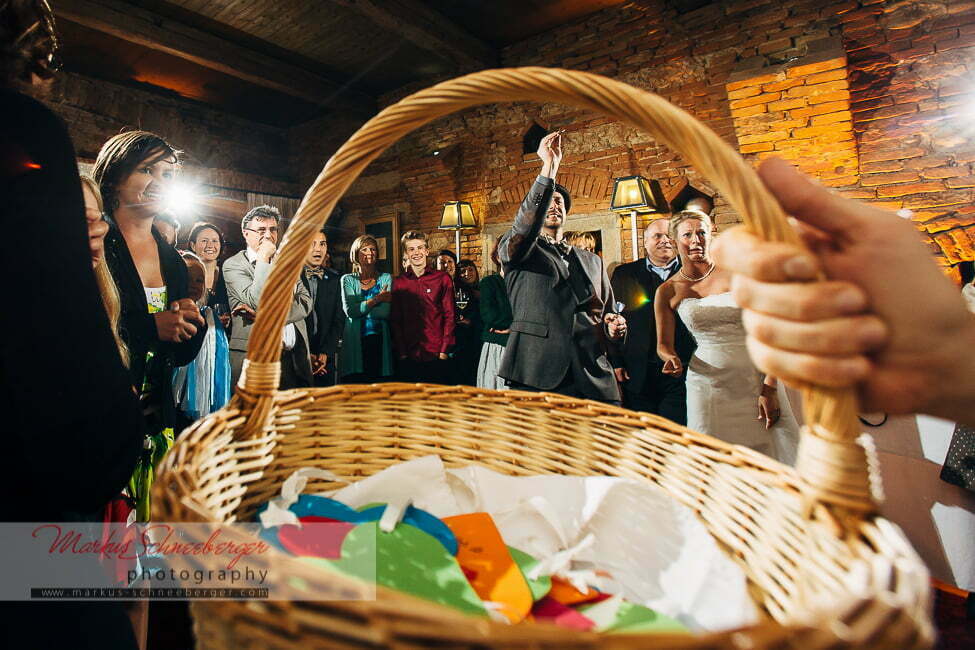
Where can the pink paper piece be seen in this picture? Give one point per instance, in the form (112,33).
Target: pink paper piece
(319,537)
(549,609)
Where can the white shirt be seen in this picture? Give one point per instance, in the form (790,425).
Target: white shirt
(663,271)
(289,336)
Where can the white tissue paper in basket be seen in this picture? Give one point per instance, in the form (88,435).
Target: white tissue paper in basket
(657,551)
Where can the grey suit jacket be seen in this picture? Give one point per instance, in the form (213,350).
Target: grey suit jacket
(245,282)
(558,311)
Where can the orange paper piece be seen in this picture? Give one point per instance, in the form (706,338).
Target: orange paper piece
(563,592)
(484,557)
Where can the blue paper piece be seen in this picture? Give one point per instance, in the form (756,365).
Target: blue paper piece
(420,519)
(309,505)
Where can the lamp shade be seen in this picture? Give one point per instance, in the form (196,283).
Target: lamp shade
(637,193)
(457,215)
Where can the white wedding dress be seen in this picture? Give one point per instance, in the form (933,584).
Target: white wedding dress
(723,385)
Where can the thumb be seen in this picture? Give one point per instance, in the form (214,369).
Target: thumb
(809,201)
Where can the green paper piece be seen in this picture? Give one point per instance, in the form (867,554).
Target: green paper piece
(409,560)
(526,563)
(631,617)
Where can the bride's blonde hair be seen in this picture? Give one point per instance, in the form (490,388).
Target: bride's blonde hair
(103,278)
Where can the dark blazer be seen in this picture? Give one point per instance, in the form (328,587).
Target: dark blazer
(328,314)
(635,286)
(138,327)
(558,315)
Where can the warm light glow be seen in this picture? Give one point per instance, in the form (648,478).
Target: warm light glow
(457,215)
(181,198)
(637,193)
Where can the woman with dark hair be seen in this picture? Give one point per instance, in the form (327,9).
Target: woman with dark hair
(160,324)
(72,424)
(467,349)
(496,320)
(367,349)
(206,241)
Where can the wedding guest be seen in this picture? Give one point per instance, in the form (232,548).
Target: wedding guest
(645,387)
(447,262)
(565,318)
(203,385)
(367,351)
(72,423)
(584,240)
(467,333)
(97,229)
(725,391)
(206,241)
(326,322)
(167,226)
(495,325)
(160,324)
(959,465)
(246,274)
(423,317)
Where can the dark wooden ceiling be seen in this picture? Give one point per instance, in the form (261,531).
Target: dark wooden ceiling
(283,62)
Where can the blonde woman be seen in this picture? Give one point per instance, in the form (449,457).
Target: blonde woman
(97,229)
(727,397)
(367,351)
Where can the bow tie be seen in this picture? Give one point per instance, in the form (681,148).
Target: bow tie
(314,273)
(559,246)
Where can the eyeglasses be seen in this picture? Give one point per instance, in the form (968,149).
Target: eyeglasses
(263,231)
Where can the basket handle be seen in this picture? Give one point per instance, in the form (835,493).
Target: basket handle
(832,463)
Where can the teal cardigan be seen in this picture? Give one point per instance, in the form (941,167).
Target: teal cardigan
(350,359)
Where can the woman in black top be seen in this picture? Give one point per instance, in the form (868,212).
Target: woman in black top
(161,326)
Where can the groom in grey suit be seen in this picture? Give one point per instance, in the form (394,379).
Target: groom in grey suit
(245,274)
(565,318)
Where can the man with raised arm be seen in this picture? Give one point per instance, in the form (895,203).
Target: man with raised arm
(564,311)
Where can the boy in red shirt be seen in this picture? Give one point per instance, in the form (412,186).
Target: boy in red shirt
(422,318)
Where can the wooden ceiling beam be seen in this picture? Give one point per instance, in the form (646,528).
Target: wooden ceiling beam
(138,25)
(427,29)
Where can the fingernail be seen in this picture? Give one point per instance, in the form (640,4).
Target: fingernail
(800,268)
(849,300)
(872,334)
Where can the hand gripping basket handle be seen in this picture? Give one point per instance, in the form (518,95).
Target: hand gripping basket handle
(832,463)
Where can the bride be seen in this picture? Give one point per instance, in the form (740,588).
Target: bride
(727,397)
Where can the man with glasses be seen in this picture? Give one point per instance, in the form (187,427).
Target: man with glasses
(245,274)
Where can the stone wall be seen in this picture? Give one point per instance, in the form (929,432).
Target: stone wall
(868,96)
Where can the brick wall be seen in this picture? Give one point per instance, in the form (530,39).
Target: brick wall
(221,150)
(883,118)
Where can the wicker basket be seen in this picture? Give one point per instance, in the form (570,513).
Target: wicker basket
(824,568)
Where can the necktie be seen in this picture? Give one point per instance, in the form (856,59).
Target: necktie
(314,273)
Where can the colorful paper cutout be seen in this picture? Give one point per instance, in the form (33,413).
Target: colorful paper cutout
(619,616)
(563,592)
(488,564)
(551,610)
(409,560)
(422,520)
(317,537)
(539,587)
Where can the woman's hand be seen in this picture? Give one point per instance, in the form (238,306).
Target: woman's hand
(768,405)
(179,322)
(673,366)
